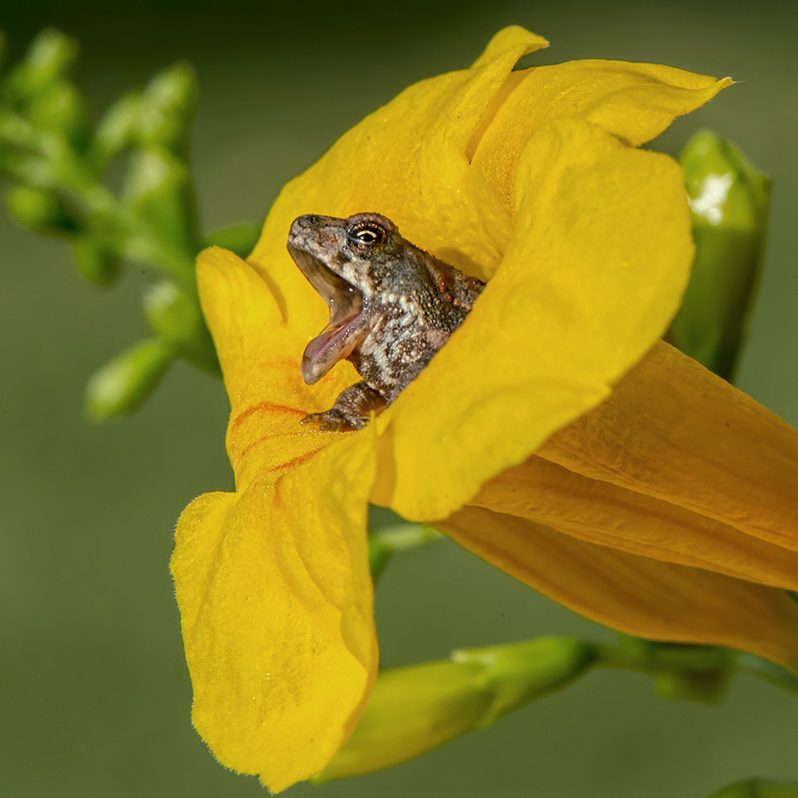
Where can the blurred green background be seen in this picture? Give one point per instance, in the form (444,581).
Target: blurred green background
(94,694)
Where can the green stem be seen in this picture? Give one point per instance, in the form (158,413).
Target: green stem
(690,672)
(388,540)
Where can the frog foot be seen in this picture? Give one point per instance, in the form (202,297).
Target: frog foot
(352,410)
(334,420)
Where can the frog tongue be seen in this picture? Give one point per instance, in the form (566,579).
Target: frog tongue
(334,343)
(346,328)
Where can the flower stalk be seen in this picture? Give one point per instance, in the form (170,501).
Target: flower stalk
(388,540)
(417,708)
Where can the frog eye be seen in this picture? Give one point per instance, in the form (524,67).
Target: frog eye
(366,234)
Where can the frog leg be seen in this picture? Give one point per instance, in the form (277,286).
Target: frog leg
(352,409)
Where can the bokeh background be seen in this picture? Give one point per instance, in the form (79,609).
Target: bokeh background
(94,693)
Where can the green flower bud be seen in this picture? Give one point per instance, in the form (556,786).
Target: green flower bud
(40,210)
(417,708)
(125,382)
(117,129)
(523,671)
(167,107)
(175,317)
(95,261)
(48,59)
(729,201)
(157,188)
(240,238)
(21,153)
(61,110)
(16,132)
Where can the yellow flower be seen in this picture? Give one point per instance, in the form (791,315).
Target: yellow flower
(659,506)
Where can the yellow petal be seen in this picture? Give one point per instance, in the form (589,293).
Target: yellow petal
(674,431)
(592,274)
(408,161)
(593,239)
(634,102)
(637,595)
(260,357)
(276,609)
(602,513)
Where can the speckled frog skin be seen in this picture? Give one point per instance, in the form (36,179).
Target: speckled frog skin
(392,307)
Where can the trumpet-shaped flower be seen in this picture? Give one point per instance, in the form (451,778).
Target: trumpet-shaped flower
(553,434)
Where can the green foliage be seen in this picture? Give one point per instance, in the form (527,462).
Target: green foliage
(58,163)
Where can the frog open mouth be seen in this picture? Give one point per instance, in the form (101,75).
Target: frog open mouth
(346,328)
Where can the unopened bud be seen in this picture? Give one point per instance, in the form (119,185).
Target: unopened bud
(40,210)
(48,58)
(167,106)
(157,189)
(175,317)
(417,708)
(729,202)
(95,261)
(125,382)
(60,109)
(117,129)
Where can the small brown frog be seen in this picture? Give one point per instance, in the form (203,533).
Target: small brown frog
(392,307)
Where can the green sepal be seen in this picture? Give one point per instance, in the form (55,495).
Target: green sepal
(729,202)
(175,317)
(121,385)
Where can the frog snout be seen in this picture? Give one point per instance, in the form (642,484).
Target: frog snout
(301,225)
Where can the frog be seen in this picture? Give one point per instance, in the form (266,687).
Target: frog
(392,307)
